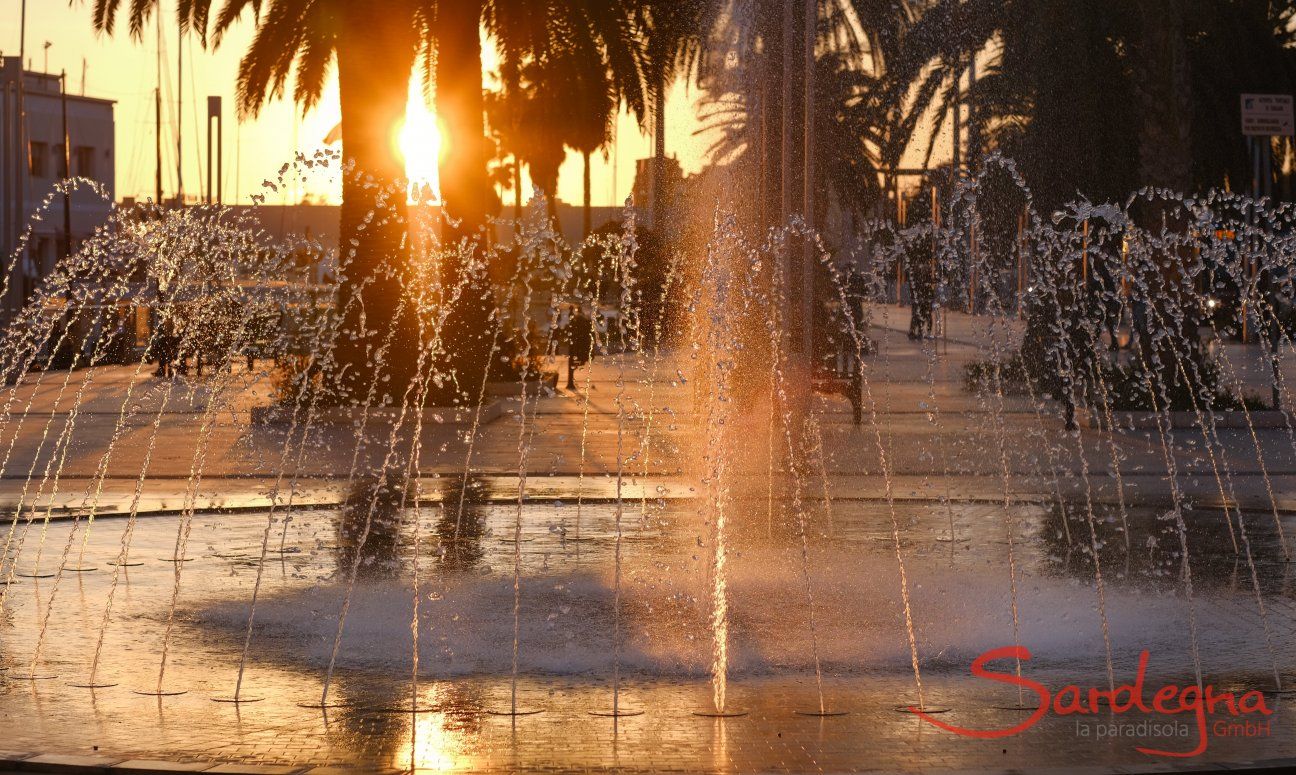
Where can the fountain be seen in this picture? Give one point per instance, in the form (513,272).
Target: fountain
(1084,458)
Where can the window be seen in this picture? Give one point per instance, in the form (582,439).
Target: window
(85,161)
(38,158)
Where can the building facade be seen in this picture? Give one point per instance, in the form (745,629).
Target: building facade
(34,156)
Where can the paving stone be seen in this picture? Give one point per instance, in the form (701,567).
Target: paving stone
(69,763)
(148,765)
(285,666)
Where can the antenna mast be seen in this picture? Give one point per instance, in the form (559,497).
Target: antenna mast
(157,112)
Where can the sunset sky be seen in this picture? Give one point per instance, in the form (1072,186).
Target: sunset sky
(121,69)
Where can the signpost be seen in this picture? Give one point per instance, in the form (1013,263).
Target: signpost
(1267,115)
(1264,116)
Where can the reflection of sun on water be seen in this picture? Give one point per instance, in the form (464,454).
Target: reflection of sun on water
(439,740)
(420,141)
(436,746)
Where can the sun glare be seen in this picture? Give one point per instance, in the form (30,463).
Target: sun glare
(420,143)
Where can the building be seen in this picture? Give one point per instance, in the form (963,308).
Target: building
(33,159)
(646,190)
(320,222)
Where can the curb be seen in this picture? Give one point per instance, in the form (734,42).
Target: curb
(103,765)
(64,764)
(342,416)
(1260,419)
(1282,506)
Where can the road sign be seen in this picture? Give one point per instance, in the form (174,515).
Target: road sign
(1267,115)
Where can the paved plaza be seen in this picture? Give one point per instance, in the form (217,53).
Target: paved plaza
(995,507)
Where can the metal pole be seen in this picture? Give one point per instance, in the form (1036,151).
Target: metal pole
(10,170)
(216,113)
(1249,264)
(785,161)
(901,216)
(973,122)
(659,154)
(67,170)
(157,114)
(958,118)
(1021,262)
(21,151)
(788,69)
(808,196)
(179,113)
(1084,255)
(765,121)
(935,310)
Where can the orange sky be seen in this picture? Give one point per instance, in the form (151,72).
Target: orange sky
(120,69)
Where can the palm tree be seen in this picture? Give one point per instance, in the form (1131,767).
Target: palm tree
(569,98)
(375,47)
(1099,98)
(1148,88)
(594,104)
(523,32)
(374,53)
(678,34)
(706,40)
(852,122)
(544,120)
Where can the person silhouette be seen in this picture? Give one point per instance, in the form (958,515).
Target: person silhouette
(856,298)
(580,344)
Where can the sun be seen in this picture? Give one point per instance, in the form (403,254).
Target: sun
(419,138)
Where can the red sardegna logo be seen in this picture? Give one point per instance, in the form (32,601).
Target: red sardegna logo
(1071,700)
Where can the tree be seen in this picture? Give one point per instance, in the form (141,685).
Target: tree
(677,40)
(544,120)
(375,46)
(1101,98)
(523,32)
(708,41)
(594,105)
(374,54)
(1096,99)
(568,98)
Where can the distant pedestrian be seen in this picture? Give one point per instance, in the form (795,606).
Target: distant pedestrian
(922,295)
(580,344)
(165,344)
(856,298)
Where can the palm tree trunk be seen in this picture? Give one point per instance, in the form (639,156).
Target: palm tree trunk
(659,155)
(1165,161)
(466,190)
(771,68)
(1165,97)
(373,89)
(465,184)
(548,183)
(517,193)
(588,214)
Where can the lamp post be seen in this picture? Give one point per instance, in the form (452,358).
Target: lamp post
(808,193)
(215,113)
(67,170)
(803,328)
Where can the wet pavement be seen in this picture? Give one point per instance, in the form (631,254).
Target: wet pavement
(961,599)
(997,511)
